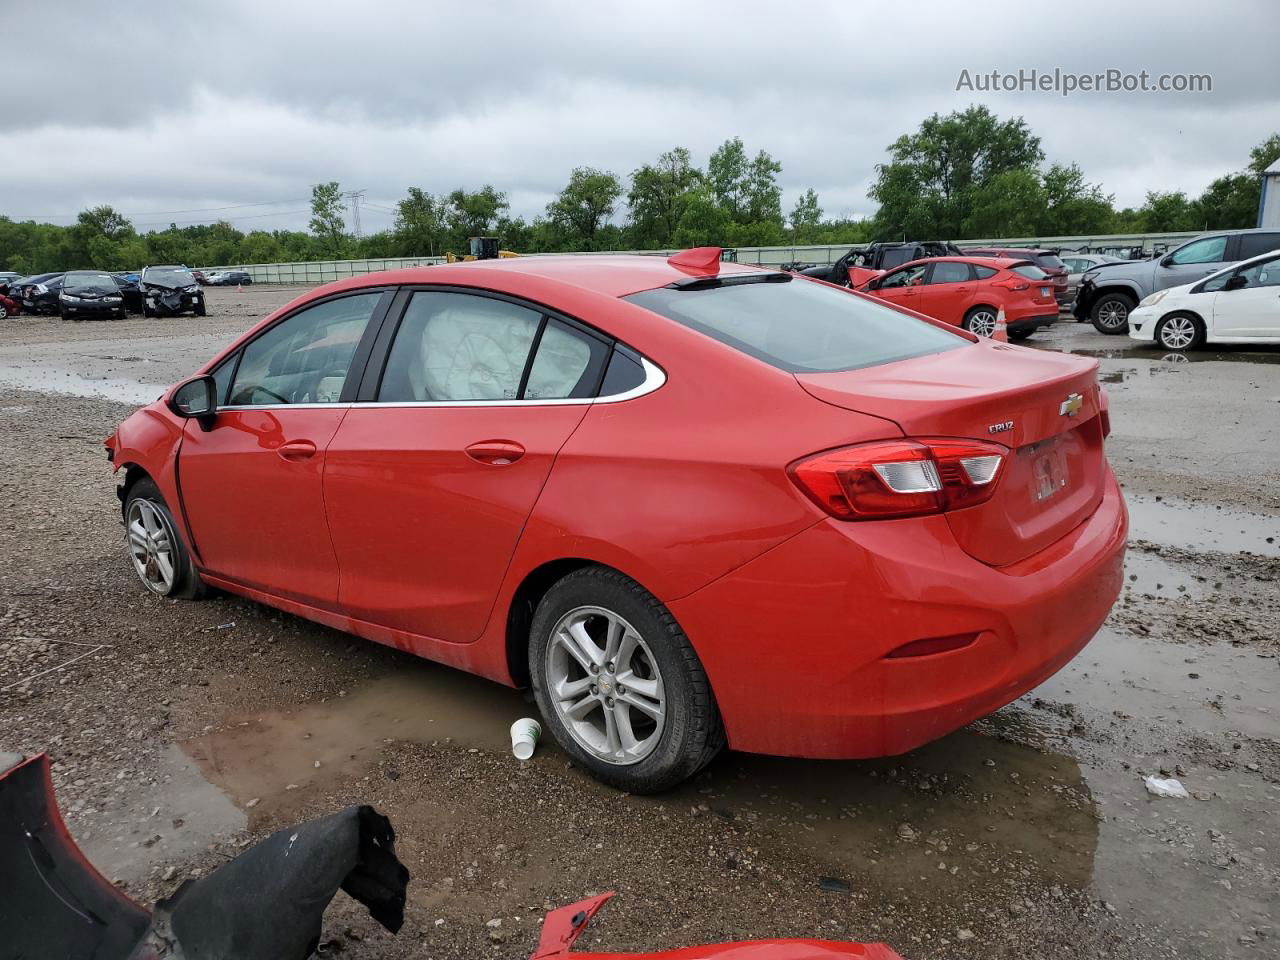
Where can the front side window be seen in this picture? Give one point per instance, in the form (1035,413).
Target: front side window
(947,272)
(1263,274)
(304,358)
(903,278)
(1208,250)
(800,326)
(455,346)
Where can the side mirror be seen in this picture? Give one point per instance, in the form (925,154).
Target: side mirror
(1167,261)
(197,399)
(1236,281)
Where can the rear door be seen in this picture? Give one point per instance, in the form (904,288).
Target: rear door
(251,485)
(433,474)
(947,291)
(1253,310)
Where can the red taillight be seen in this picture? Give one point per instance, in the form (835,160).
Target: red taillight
(1012,283)
(900,478)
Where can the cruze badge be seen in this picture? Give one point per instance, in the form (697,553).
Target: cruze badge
(1000,427)
(1071,406)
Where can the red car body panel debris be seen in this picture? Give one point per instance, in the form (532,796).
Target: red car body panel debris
(562,927)
(390,529)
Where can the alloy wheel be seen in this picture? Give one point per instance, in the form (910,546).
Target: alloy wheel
(983,323)
(151,546)
(605,684)
(1176,333)
(1113,314)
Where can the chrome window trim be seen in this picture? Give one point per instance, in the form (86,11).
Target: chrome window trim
(654,377)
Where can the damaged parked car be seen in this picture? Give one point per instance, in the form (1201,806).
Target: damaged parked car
(90,295)
(168,291)
(687,502)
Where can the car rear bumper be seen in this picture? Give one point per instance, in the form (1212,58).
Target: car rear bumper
(795,643)
(1033,322)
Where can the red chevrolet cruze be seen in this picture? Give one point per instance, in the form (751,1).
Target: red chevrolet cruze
(970,292)
(686,502)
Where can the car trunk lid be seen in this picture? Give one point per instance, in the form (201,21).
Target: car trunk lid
(1043,406)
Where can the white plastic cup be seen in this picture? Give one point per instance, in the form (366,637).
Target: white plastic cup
(524,737)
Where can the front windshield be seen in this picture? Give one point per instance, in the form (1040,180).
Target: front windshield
(99,283)
(169,276)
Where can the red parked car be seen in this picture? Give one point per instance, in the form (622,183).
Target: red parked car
(1046,260)
(968,292)
(686,501)
(9,307)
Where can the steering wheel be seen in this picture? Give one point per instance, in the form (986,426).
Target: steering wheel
(270,393)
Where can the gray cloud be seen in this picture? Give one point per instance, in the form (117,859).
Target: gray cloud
(156,108)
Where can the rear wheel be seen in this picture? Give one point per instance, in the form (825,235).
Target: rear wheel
(619,684)
(980,320)
(1110,313)
(200,312)
(159,556)
(4,312)
(1180,331)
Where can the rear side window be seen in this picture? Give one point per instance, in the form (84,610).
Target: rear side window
(566,365)
(1252,244)
(984,273)
(1030,272)
(625,373)
(799,326)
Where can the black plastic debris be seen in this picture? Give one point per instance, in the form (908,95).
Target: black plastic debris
(267,904)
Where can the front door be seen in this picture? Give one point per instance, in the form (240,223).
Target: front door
(251,485)
(1191,262)
(428,485)
(1253,310)
(901,286)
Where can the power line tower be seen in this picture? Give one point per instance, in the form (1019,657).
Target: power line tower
(354,197)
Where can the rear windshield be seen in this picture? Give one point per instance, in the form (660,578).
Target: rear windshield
(800,326)
(1050,261)
(1030,272)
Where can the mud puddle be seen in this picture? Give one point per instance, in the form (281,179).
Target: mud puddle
(55,380)
(1222,353)
(1149,575)
(1201,527)
(266,757)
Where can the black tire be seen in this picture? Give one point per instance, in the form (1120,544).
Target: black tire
(692,733)
(187,584)
(200,311)
(4,312)
(1017,336)
(1110,312)
(1171,332)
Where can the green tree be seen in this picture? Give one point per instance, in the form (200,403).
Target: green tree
(1072,205)
(1264,154)
(1009,204)
(104,221)
(658,194)
(1230,202)
(931,184)
(747,189)
(327,220)
(703,222)
(806,216)
(420,228)
(473,214)
(1168,211)
(584,205)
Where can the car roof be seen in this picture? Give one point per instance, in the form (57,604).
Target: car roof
(1003,262)
(614,275)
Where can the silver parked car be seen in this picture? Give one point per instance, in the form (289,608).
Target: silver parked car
(1077,264)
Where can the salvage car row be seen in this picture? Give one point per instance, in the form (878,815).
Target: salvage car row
(1220,287)
(164,290)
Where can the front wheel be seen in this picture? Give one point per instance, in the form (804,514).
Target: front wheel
(1110,313)
(200,311)
(619,684)
(159,556)
(1180,332)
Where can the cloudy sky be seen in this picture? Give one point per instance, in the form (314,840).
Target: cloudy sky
(168,110)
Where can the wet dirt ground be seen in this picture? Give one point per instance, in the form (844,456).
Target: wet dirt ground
(182,732)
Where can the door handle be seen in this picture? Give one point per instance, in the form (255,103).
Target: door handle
(296,450)
(496,453)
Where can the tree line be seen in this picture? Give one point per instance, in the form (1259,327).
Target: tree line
(965,175)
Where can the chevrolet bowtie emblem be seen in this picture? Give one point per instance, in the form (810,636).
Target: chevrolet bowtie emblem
(1071,406)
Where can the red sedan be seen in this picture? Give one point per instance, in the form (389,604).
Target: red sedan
(686,502)
(969,292)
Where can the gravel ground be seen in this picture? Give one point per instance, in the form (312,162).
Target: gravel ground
(186,731)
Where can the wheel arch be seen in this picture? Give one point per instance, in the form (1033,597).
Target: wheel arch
(1128,289)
